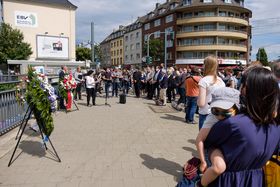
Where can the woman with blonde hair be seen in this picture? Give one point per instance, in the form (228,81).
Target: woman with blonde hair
(207,85)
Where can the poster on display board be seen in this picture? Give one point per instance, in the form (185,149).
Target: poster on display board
(52,47)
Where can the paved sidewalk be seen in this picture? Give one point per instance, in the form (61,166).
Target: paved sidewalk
(122,146)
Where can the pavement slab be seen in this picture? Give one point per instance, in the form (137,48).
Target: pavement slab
(118,145)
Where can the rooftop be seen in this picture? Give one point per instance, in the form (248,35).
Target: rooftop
(62,3)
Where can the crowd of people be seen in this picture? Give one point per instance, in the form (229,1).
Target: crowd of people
(238,111)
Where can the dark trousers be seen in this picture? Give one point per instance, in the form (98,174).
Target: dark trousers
(190,108)
(156,88)
(78,92)
(115,89)
(182,98)
(149,90)
(125,87)
(170,94)
(91,93)
(137,88)
(107,86)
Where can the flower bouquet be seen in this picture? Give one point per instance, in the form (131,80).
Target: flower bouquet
(67,85)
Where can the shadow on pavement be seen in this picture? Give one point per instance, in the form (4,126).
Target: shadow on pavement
(32,148)
(169,167)
(192,141)
(173,118)
(193,151)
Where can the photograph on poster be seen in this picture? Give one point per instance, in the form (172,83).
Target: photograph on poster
(52,47)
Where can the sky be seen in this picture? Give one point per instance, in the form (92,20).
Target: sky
(107,15)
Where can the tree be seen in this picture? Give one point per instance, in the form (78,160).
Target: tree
(262,57)
(156,49)
(12,46)
(83,54)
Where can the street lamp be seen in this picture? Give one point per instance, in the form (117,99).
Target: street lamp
(165,46)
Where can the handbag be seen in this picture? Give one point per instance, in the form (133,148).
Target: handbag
(272,171)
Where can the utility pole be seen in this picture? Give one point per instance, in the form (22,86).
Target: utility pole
(92,43)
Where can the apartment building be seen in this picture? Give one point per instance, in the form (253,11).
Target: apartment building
(213,27)
(133,44)
(201,28)
(116,46)
(105,47)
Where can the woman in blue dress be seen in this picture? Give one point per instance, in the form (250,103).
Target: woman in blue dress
(249,139)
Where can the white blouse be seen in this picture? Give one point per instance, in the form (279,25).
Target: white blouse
(90,82)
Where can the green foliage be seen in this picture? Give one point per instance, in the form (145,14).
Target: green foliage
(37,99)
(156,49)
(12,46)
(5,87)
(83,54)
(262,56)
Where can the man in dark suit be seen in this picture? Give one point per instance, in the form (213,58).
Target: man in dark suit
(137,79)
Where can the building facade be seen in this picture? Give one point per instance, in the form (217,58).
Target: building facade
(213,27)
(201,27)
(105,47)
(161,21)
(116,47)
(48,26)
(133,44)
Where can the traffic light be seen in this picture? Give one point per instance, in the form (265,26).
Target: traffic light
(149,60)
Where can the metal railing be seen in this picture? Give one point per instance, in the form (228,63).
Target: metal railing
(11,113)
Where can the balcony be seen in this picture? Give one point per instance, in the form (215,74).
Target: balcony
(212,47)
(214,32)
(214,19)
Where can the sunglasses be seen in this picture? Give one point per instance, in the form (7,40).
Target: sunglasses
(220,112)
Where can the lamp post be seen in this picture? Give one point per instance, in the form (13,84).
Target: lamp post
(165,46)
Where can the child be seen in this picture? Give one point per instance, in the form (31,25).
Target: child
(225,103)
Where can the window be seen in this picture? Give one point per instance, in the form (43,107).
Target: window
(209,27)
(161,11)
(173,5)
(120,42)
(114,44)
(157,22)
(147,26)
(137,56)
(230,14)
(222,27)
(114,53)
(169,18)
(117,43)
(209,14)
(241,2)
(146,37)
(157,34)
(137,35)
(188,15)
(221,41)
(207,1)
(151,15)
(169,43)
(120,51)
(222,13)
(131,37)
(131,46)
(187,29)
(187,2)
(208,41)
(137,45)
(227,1)
(126,57)
(198,28)
(131,57)
(121,61)
(169,56)
(126,38)
(126,48)
(196,41)
(117,52)
(169,29)
(117,60)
